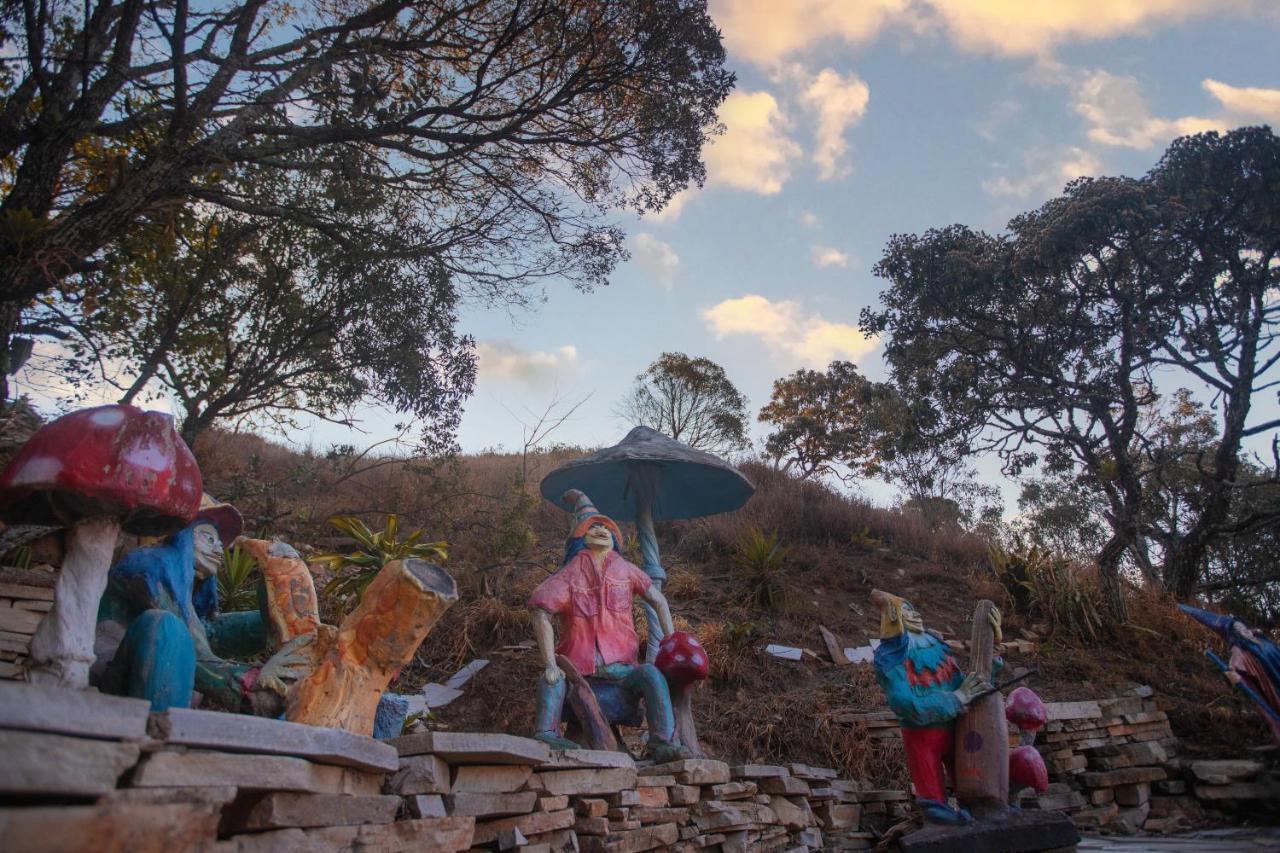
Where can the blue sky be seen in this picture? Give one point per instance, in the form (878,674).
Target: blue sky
(852,121)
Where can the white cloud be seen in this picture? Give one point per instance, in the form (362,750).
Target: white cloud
(1246,103)
(766,31)
(1044,173)
(825,256)
(1117,114)
(782,326)
(503,361)
(839,102)
(658,260)
(671,212)
(809,219)
(754,153)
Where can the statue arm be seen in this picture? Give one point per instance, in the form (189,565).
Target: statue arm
(658,601)
(933,708)
(545,635)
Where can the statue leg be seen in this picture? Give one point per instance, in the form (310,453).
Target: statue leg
(927,748)
(550,707)
(158,660)
(646,681)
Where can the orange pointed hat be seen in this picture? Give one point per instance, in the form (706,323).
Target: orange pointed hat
(585,514)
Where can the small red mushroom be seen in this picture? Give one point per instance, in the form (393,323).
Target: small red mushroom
(682,659)
(1027,770)
(1024,709)
(95,471)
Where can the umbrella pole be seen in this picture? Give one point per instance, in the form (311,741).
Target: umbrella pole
(652,567)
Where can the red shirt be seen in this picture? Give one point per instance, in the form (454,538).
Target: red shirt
(595,612)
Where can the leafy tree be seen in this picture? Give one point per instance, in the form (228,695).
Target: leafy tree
(507,129)
(690,400)
(1059,513)
(354,571)
(819,420)
(1045,343)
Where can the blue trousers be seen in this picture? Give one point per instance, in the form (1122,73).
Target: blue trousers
(156,660)
(636,680)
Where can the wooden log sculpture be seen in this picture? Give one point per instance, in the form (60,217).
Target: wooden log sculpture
(292,607)
(982,732)
(596,731)
(375,640)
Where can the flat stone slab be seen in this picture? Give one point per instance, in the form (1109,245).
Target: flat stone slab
(420,774)
(54,765)
(1018,832)
(252,772)
(437,834)
(573,759)
(62,710)
(691,771)
(589,782)
(474,748)
(138,828)
(281,811)
(244,733)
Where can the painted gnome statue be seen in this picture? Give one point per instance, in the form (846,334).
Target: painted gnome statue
(928,691)
(1254,665)
(591,595)
(159,634)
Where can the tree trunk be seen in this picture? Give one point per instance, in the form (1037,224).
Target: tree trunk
(1109,574)
(982,733)
(376,639)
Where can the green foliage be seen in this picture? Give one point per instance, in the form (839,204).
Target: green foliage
(690,400)
(355,570)
(758,561)
(863,538)
(1055,590)
(237,581)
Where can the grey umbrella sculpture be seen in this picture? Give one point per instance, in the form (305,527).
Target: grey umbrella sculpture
(649,477)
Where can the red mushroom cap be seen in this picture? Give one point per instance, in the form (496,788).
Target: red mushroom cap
(681,658)
(106,461)
(1027,770)
(1024,709)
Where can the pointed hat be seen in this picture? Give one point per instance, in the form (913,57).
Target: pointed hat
(584,513)
(1215,622)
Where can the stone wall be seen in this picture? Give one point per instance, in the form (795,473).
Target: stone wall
(25,596)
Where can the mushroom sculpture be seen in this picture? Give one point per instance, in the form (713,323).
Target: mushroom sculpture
(1024,709)
(649,477)
(96,471)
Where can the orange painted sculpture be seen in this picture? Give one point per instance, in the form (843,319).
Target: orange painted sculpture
(291,604)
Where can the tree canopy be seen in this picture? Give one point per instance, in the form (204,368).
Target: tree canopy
(819,420)
(691,400)
(1049,343)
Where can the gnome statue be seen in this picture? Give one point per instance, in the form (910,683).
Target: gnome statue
(1254,665)
(591,596)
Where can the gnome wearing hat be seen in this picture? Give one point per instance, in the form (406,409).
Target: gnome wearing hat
(159,634)
(1254,665)
(591,594)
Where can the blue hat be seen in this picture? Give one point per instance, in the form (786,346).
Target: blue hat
(1216,622)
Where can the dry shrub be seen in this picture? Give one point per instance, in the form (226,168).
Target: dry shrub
(730,647)
(683,585)
(471,629)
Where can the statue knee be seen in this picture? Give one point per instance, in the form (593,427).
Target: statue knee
(161,661)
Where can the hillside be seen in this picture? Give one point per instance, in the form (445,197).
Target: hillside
(833,551)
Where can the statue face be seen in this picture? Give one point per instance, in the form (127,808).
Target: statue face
(598,537)
(1243,631)
(208,551)
(911,618)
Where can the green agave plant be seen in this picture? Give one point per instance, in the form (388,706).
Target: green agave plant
(237,581)
(354,571)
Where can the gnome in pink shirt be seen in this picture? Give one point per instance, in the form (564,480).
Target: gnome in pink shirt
(591,594)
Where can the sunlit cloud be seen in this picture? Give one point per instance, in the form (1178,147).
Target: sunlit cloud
(767,31)
(503,361)
(754,153)
(1117,114)
(657,259)
(825,256)
(809,219)
(672,211)
(838,102)
(785,328)
(1247,103)
(1044,172)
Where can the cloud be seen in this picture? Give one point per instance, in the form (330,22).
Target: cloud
(1117,114)
(503,361)
(1045,173)
(754,153)
(658,260)
(809,219)
(839,102)
(766,32)
(825,256)
(671,212)
(1246,103)
(782,326)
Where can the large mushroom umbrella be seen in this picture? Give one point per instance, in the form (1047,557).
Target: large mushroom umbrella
(646,477)
(96,471)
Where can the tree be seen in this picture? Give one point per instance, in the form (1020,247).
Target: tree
(1047,343)
(507,128)
(690,400)
(819,420)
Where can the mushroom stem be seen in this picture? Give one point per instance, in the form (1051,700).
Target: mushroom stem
(652,566)
(62,648)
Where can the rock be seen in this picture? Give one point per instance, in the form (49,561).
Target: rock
(1239,791)
(1126,776)
(1133,795)
(552,804)
(490,805)
(655,781)
(1061,711)
(244,733)
(586,782)
(1060,802)
(252,772)
(439,695)
(530,824)
(54,765)
(1129,821)
(425,805)
(838,816)
(635,841)
(132,827)
(557,841)
(684,795)
(1226,771)
(652,798)
(62,710)
(591,826)
(474,748)
(647,815)
(812,774)
(590,807)
(786,785)
(574,759)
(459,679)
(714,815)
(490,779)
(439,835)
(791,814)
(218,796)
(733,791)
(757,771)
(511,839)
(281,810)
(419,774)
(1018,833)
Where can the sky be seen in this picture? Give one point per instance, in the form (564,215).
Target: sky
(853,120)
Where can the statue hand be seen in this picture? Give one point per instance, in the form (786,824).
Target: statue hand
(969,689)
(994,618)
(552,674)
(286,667)
(1232,676)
